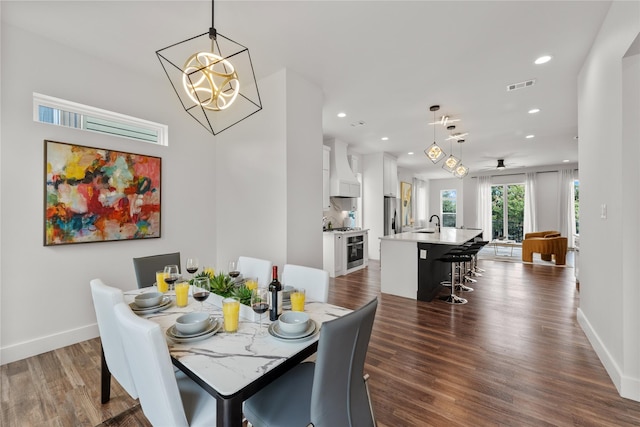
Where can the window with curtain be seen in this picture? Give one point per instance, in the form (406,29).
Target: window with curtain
(507,211)
(448,207)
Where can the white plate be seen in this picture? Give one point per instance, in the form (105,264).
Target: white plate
(166,302)
(177,334)
(312,330)
(177,337)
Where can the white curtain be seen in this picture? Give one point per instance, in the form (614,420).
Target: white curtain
(484,207)
(566,207)
(530,216)
(419,202)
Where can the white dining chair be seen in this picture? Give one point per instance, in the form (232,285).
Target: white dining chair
(146,267)
(331,392)
(166,399)
(255,267)
(313,280)
(114,361)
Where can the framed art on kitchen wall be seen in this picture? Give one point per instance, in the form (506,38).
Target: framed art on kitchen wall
(99,195)
(405,204)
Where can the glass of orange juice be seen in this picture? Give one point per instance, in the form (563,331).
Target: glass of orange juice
(297,299)
(182,294)
(231,313)
(160,283)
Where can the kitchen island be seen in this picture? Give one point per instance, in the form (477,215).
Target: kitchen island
(408,261)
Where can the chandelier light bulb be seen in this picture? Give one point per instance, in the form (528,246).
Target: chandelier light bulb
(210,81)
(434,153)
(461,171)
(451,162)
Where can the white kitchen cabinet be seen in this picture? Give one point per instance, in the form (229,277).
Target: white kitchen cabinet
(326,179)
(333,254)
(390,175)
(349,189)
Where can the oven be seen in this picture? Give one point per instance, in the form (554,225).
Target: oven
(355,251)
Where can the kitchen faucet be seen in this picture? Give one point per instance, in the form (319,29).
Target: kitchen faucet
(437,223)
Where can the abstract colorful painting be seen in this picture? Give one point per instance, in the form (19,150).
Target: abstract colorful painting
(98,195)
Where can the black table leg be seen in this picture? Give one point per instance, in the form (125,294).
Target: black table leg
(105,380)
(229,412)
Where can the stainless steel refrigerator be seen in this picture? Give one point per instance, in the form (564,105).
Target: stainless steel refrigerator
(391,216)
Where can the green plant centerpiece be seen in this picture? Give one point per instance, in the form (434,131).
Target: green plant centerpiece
(223,285)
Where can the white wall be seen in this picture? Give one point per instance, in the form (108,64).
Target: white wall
(630,224)
(45,301)
(609,253)
(373,200)
(304,172)
(269,178)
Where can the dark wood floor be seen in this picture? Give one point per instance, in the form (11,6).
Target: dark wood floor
(513,356)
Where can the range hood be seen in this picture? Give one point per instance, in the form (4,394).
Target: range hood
(343,182)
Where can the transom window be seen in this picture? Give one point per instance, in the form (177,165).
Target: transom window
(60,112)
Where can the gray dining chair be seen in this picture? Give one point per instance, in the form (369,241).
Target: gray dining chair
(166,399)
(331,392)
(146,267)
(314,280)
(255,267)
(114,361)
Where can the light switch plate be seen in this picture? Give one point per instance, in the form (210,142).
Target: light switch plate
(423,254)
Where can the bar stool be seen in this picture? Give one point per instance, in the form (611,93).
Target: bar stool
(455,260)
(473,248)
(464,268)
(479,244)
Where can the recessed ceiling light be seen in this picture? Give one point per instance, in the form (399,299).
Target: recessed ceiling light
(410,153)
(341,115)
(530,136)
(385,138)
(542,60)
(534,110)
(565,161)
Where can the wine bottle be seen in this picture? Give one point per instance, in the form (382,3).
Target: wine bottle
(275,296)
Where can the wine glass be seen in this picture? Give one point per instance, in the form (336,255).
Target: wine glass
(201,290)
(260,304)
(171,274)
(233,269)
(192,265)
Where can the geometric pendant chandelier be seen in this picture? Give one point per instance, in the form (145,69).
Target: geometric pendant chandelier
(452,161)
(434,152)
(460,170)
(213,77)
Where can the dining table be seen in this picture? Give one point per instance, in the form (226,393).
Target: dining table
(234,366)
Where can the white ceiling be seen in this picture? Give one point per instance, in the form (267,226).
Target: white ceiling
(381,62)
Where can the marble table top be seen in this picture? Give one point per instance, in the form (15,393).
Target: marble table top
(228,362)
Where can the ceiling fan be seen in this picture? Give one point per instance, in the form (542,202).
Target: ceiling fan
(500,165)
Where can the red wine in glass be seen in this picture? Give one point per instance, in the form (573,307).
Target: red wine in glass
(201,290)
(260,304)
(233,269)
(171,274)
(260,307)
(201,296)
(192,265)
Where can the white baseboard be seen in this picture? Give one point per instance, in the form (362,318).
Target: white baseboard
(628,387)
(41,345)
